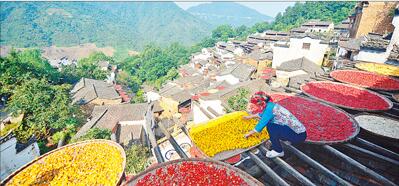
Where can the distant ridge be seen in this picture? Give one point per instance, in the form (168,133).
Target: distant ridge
(122,24)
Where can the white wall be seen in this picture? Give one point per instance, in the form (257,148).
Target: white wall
(229,78)
(315,53)
(10,161)
(214,104)
(381,57)
(152,96)
(395,34)
(198,115)
(371,56)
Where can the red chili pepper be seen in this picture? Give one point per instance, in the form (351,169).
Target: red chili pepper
(191,173)
(322,122)
(345,95)
(366,79)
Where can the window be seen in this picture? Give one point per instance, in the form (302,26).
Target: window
(306,46)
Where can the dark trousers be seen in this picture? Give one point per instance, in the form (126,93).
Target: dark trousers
(285,133)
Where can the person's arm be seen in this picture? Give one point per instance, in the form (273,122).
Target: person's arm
(267,116)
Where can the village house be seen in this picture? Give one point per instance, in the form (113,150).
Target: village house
(104,65)
(237,73)
(342,29)
(173,98)
(374,17)
(348,48)
(307,45)
(205,54)
(318,26)
(187,70)
(267,38)
(63,61)
(373,49)
(393,58)
(189,82)
(95,92)
(299,30)
(126,121)
(260,59)
(150,94)
(296,67)
(14,154)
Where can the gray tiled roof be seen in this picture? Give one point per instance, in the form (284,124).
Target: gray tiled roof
(374,42)
(394,55)
(350,44)
(259,55)
(169,89)
(87,90)
(300,64)
(181,96)
(200,87)
(189,80)
(342,26)
(117,113)
(317,23)
(128,133)
(242,71)
(299,30)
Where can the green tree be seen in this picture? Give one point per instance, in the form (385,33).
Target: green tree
(20,66)
(136,159)
(139,97)
(223,32)
(95,133)
(239,101)
(47,108)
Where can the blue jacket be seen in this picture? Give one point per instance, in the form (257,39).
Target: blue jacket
(266,116)
(276,114)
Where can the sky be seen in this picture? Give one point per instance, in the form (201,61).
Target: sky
(267,8)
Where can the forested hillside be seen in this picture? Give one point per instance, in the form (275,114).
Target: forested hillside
(118,24)
(300,12)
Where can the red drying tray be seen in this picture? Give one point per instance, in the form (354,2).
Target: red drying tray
(354,73)
(245,176)
(355,125)
(344,106)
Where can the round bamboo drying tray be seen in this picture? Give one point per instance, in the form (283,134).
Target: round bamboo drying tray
(363,86)
(374,133)
(348,107)
(355,124)
(245,176)
(121,150)
(357,65)
(224,154)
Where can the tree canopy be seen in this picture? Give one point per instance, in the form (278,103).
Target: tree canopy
(35,90)
(239,101)
(86,67)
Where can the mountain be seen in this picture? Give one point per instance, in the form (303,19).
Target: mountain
(118,24)
(218,13)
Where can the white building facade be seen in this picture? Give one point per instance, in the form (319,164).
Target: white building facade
(312,49)
(12,158)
